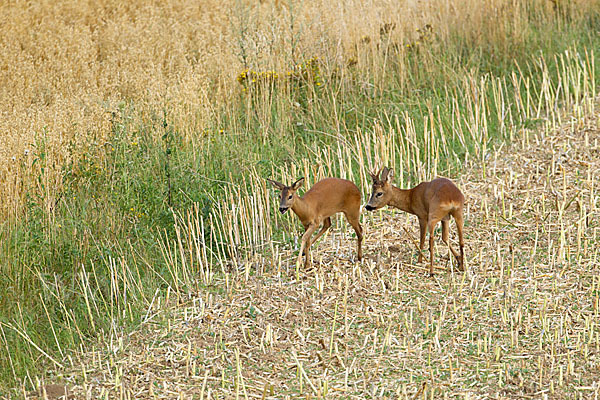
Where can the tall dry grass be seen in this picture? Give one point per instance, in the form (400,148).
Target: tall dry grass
(67,66)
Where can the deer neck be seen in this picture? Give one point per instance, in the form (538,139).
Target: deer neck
(401,198)
(301,209)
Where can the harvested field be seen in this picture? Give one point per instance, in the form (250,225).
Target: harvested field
(522,322)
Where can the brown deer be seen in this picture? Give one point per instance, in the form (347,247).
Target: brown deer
(326,198)
(431,202)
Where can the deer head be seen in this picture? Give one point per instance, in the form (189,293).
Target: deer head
(288,195)
(382,189)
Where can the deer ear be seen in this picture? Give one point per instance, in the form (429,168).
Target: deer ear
(298,183)
(387,174)
(278,185)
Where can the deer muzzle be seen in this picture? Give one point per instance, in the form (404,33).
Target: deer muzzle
(283,209)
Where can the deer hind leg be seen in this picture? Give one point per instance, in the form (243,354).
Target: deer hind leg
(445,237)
(458,218)
(354,220)
(423,233)
(431,227)
(326,225)
(434,217)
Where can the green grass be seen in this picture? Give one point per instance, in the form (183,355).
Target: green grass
(94,262)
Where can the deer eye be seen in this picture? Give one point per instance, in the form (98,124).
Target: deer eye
(379,194)
(290,197)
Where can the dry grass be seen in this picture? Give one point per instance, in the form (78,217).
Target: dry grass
(521,323)
(66,66)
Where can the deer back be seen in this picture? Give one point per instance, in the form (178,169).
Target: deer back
(332,195)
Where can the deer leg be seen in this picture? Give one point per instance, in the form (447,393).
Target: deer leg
(305,247)
(353,219)
(422,232)
(302,247)
(445,237)
(458,217)
(432,223)
(326,225)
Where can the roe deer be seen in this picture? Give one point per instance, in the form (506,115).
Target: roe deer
(431,202)
(325,198)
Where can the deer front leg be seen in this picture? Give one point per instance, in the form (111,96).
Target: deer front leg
(305,246)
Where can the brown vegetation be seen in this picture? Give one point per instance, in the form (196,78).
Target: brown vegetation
(67,66)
